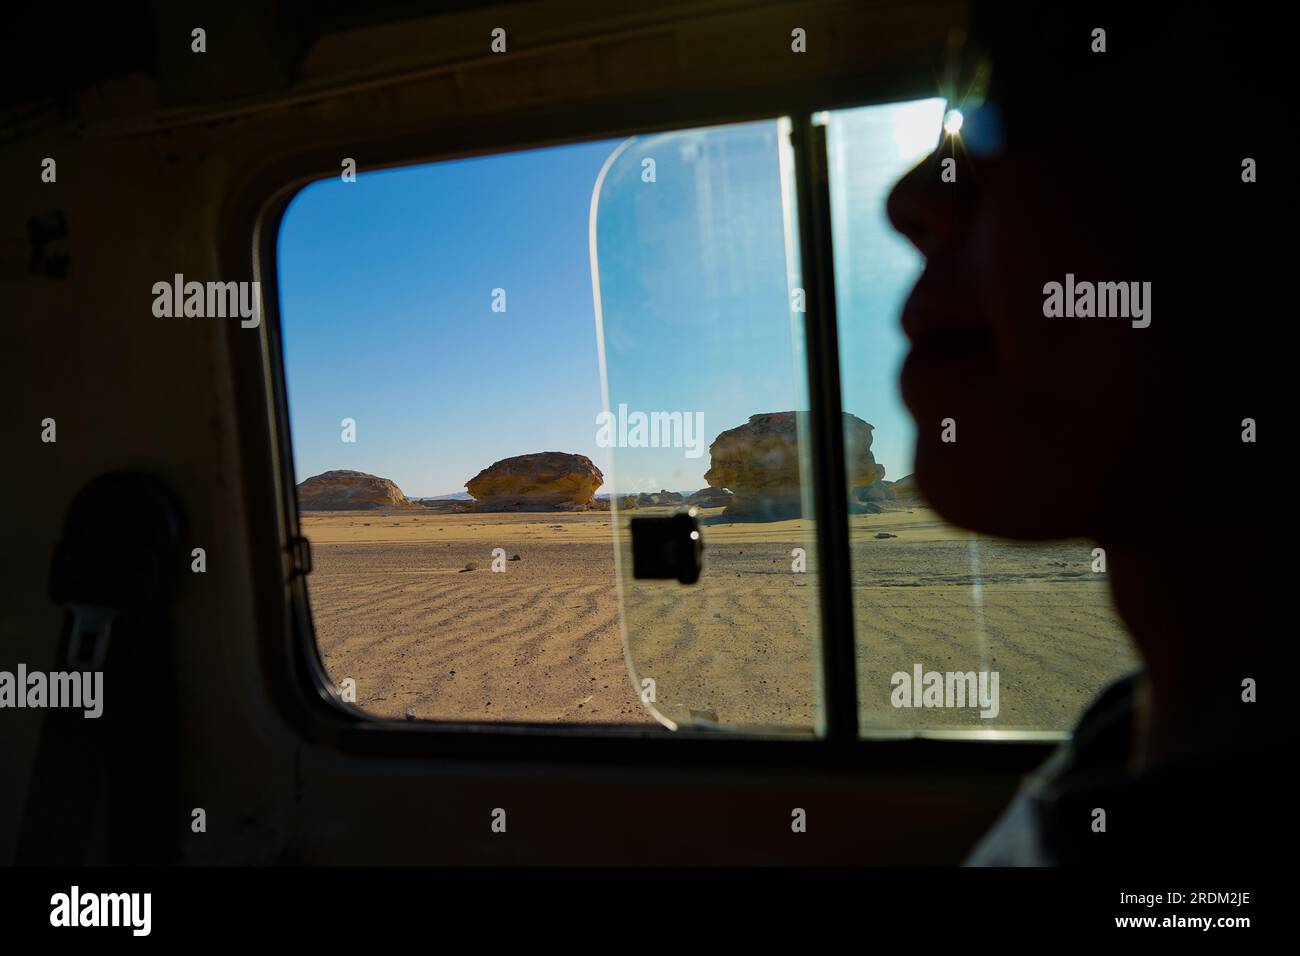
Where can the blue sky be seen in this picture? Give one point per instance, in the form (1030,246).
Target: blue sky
(386,294)
(875,267)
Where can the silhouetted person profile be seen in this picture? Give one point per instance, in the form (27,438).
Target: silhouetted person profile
(1119,405)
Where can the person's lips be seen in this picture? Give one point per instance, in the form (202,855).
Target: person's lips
(952,347)
(943,329)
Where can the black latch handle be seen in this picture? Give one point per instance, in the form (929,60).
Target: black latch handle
(667,548)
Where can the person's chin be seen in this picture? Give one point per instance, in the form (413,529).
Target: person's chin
(947,485)
(969,482)
(969,487)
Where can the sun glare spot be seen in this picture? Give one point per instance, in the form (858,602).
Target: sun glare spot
(916,128)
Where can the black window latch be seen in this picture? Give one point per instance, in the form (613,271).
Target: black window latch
(667,548)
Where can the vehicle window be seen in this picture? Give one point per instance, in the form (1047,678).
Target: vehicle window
(498,369)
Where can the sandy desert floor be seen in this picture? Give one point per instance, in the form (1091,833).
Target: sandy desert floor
(542,640)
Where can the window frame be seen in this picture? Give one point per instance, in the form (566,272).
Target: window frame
(296,680)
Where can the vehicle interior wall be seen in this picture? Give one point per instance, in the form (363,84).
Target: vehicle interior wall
(170,172)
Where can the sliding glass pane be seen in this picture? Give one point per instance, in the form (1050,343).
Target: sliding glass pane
(953,629)
(693,251)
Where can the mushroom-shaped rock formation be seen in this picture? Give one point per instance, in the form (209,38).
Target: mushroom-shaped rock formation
(350,491)
(759,462)
(545,481)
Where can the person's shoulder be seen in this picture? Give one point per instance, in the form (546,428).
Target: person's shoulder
(1024,835)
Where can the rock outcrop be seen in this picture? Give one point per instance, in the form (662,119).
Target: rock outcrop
(545,481)
(905,487)
(876,491)
(906,494)
(711,498)
(759,462)
(649,499)
(887,496)
(447,506)
(349,491)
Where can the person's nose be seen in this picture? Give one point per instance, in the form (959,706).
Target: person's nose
(923,207)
